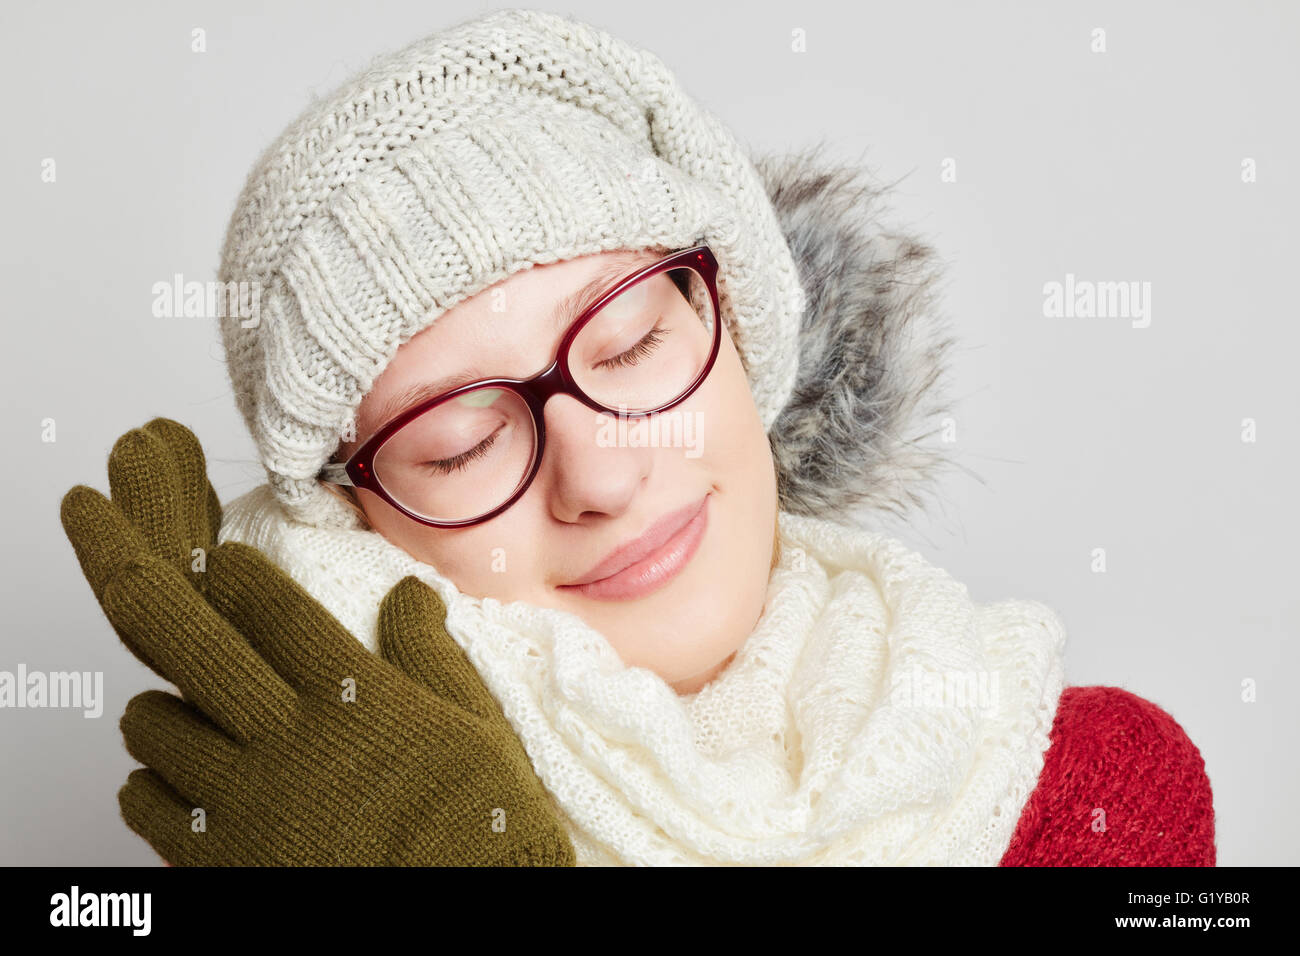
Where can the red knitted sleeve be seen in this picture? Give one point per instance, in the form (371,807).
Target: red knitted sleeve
(1121,785)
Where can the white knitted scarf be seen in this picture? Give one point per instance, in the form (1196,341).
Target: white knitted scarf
(875,715)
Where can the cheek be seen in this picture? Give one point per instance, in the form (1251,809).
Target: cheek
(479,561)
(732,432)
(746,470)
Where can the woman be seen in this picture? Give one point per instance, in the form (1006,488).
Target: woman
(489,266)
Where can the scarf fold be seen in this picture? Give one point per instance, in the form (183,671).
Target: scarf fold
(875,715)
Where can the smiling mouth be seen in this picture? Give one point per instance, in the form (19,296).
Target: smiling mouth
(649,562)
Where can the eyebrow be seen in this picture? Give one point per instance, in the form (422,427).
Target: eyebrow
(562,314)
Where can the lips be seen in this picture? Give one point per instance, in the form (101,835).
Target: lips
(655,539)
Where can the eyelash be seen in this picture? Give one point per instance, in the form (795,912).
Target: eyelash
(447,465)
(633,355)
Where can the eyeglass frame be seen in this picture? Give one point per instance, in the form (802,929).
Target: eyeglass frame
(358,470)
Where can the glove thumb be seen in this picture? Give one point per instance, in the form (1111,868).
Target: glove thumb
(413,637)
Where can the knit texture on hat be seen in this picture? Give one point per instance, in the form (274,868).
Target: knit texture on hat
(515,139)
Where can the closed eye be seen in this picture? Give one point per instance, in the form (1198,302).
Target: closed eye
(633,356)
(447,466)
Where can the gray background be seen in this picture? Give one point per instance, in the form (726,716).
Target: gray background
(1072,433)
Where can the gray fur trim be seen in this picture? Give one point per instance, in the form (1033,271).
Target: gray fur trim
(872,347)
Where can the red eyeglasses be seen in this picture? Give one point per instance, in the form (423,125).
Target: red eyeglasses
(466,455)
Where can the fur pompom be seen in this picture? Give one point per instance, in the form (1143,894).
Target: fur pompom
(872,347)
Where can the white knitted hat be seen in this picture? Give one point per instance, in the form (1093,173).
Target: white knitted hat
(514,139)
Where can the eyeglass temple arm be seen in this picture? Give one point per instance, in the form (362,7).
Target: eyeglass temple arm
(335,474)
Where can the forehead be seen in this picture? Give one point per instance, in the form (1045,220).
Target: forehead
(551,290)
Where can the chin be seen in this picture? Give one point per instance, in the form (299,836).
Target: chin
(706,635)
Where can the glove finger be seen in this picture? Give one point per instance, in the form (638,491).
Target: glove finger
(162,817)
(197,496)
(413,636)
(145,484)
(295,634)
(102,537)
(197,650)
(178,743)
(104,542)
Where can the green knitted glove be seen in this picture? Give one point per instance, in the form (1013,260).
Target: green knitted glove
(293,745)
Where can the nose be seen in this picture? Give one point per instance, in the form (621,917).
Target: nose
(587,472)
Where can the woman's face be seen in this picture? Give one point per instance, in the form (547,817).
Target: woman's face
(683,609)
